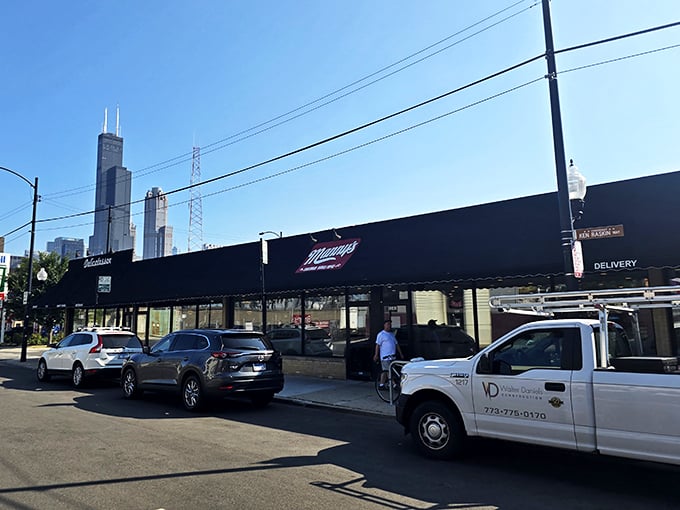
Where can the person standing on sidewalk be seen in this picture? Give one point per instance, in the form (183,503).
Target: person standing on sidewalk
(386,350)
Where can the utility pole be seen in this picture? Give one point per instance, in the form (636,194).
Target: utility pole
(566,231)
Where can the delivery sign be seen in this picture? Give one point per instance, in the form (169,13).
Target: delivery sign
(4,274)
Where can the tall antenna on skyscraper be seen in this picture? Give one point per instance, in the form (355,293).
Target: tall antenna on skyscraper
(117,121)
(195,205)
(106,120)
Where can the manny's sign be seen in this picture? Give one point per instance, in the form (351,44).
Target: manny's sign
(331,255)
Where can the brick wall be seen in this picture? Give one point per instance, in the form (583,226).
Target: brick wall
(333,368)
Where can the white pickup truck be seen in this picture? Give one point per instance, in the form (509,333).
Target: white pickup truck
(544,383)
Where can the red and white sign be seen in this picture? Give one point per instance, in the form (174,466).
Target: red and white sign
(297,319)
(577,257)
(329,256)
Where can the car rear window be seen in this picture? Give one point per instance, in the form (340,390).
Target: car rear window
(245,342)
(119,341)
(316,334)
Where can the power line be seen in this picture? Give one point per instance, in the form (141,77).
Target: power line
(364,126)
(237,137)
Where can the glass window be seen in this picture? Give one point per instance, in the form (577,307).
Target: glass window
(163,345)
(159,322)
(66,341)
(97,317)
(325,325)
(184,317)
(539,348)
(244,342)
(248,314)
(216,315)
(186,342)
(109,318)
(79,319)
(119,341)
(285,312)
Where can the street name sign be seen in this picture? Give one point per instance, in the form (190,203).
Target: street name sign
(586,234)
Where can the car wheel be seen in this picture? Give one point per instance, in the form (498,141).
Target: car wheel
(261,399)
(437,431)
(192,393)
(129,383)
(43,374)
(78,376)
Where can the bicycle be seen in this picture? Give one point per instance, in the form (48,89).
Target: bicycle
(389,392)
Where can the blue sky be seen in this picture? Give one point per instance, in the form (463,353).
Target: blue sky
(198,73)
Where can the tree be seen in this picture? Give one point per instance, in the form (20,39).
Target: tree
(56,266)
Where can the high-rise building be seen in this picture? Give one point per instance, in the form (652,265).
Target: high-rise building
(157,233)
(67,247)
(112,229)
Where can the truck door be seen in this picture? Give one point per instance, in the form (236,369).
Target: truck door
(524,394)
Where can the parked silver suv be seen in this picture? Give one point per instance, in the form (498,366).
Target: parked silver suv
(87,353)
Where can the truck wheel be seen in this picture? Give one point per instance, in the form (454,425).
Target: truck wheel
(437,431)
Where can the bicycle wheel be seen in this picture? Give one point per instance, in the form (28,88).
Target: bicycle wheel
(384,391)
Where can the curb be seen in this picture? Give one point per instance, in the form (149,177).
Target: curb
(323,405)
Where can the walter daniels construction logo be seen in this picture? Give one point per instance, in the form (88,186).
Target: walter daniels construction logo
(327,256)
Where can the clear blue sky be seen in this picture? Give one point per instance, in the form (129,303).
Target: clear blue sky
(196,73)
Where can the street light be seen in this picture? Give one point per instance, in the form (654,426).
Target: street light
(577,191)
(277,234)
(27,293)
(576,185)
(264,260)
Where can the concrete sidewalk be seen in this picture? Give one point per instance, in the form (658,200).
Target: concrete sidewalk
(338,394)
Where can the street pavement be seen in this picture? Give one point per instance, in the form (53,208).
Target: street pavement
(339,394)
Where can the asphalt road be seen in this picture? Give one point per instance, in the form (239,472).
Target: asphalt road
(61,448)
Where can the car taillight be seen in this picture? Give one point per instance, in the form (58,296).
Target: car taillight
(225,354)
(97,348)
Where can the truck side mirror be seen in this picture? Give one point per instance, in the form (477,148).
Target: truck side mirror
(484,365)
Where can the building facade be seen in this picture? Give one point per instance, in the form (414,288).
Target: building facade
(113,192)
(442,268)
(157,233)
(67,247)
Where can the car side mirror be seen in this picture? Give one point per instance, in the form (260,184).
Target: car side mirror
(484,365)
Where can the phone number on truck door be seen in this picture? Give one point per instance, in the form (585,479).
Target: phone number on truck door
(518,413)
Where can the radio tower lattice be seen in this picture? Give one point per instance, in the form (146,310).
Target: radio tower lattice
(195,205)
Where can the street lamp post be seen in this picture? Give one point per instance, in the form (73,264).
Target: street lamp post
(27,293)
(264,260)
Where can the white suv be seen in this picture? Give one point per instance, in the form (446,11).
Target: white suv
(90,352)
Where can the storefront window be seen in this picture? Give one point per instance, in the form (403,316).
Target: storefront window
(216,315)
(210,315)
(183,317)
(159,322)
(326,313)
(248,314)
(79,319)
(109,319)
(97,317)
(285,312)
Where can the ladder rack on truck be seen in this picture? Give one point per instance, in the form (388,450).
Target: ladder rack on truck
(599,301)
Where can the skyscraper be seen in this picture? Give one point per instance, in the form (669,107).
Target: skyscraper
(157,234)
(67,247)
(112,230)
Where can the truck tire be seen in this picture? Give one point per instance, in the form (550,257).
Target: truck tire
(437,431)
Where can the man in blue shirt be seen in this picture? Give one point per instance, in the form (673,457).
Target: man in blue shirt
(386,349)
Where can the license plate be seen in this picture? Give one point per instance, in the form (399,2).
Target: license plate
(123,355)
(259,367)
